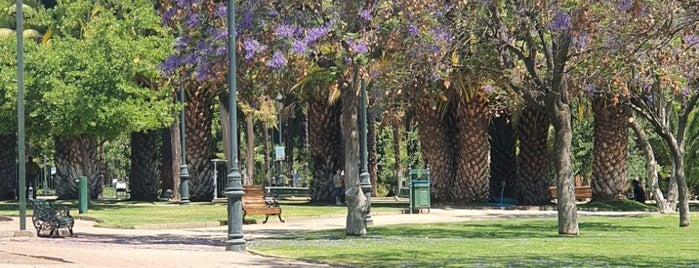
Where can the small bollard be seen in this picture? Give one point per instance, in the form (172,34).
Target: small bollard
(82,194)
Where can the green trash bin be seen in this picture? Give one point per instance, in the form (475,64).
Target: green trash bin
(419,189)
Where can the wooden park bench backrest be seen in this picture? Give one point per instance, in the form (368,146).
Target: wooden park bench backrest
(255,203)
(581,192)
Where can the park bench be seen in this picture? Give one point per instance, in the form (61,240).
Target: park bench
(581,192)
(256,203)
(48,220)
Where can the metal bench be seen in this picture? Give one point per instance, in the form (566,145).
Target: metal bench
(48,220)
(255,203)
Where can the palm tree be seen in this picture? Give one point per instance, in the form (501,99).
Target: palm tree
(472,180)
(144,176)
(534,158)
(609,168)
(325,139)
(436,130)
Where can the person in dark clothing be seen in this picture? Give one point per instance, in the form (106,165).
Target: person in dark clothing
(638,193)
(32,172)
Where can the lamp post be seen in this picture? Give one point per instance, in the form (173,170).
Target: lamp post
(20,118)
(234,186)
(280,150)
(364,181)
(184,173)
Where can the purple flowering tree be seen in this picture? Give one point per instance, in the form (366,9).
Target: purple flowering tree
(538,53)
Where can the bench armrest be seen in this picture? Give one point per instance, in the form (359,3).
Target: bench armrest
(271,202)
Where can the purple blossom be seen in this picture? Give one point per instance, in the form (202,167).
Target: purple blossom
(299,46)
(441,35)
(489,88)
(365,15)
(561,22)
(183,3)
(581,41)
(182,43)
(412,30)
(168,15)
(192,20)
(277,61)
(218,34)
(357,46)
(284,31)
(316,33)
(204,48)
(624,5)
(170,64)
(589,89)
(221,11)
(434,76)
(691,40)
(251,47)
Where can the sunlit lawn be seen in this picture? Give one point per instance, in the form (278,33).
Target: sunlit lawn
(126,214)
(641,241)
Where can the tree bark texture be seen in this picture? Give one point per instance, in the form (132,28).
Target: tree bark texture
(326,147)
(534,158)
(651,171)
(75,157)
(503,170)
(609,165)
(250,152)
(170,167)
(354,196)
(436,132)
(471,182)
(199,145)
(145,163)
(8,167)
(567,210)
(396,157)
(267,147)
(371,150)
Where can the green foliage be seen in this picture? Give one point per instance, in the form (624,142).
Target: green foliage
(102,82)
(582,145)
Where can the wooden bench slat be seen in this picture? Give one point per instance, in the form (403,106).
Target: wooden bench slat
(581,192)
(255,203)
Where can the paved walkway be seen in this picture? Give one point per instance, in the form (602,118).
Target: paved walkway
(196,247)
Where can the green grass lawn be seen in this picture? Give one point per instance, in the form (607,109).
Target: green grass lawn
(126,214)
(640,241)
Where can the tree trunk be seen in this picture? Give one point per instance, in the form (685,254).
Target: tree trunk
(8,167)
(371,148)
(438,147)
(567,210)
(144,175)
(357,207)
(170,166)
(250,152)
(267,148)
(75,157)
(396,157)
(678,159)
(199,113)
(609,167)
(534,159)
(651,172)
(503,169)
(325,142)
(471,182)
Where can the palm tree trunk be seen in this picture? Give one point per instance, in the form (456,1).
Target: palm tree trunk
(75,157)
(471,183)
(8,167)
(503,168)
(199,113)
(609,168)
(145,156)
(326,148)
(533,178)
(438,147)
(169,169)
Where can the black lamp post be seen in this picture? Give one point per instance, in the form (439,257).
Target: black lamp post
(234,183)
(184,172)
(20,118)
(279,99)
(364,181)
